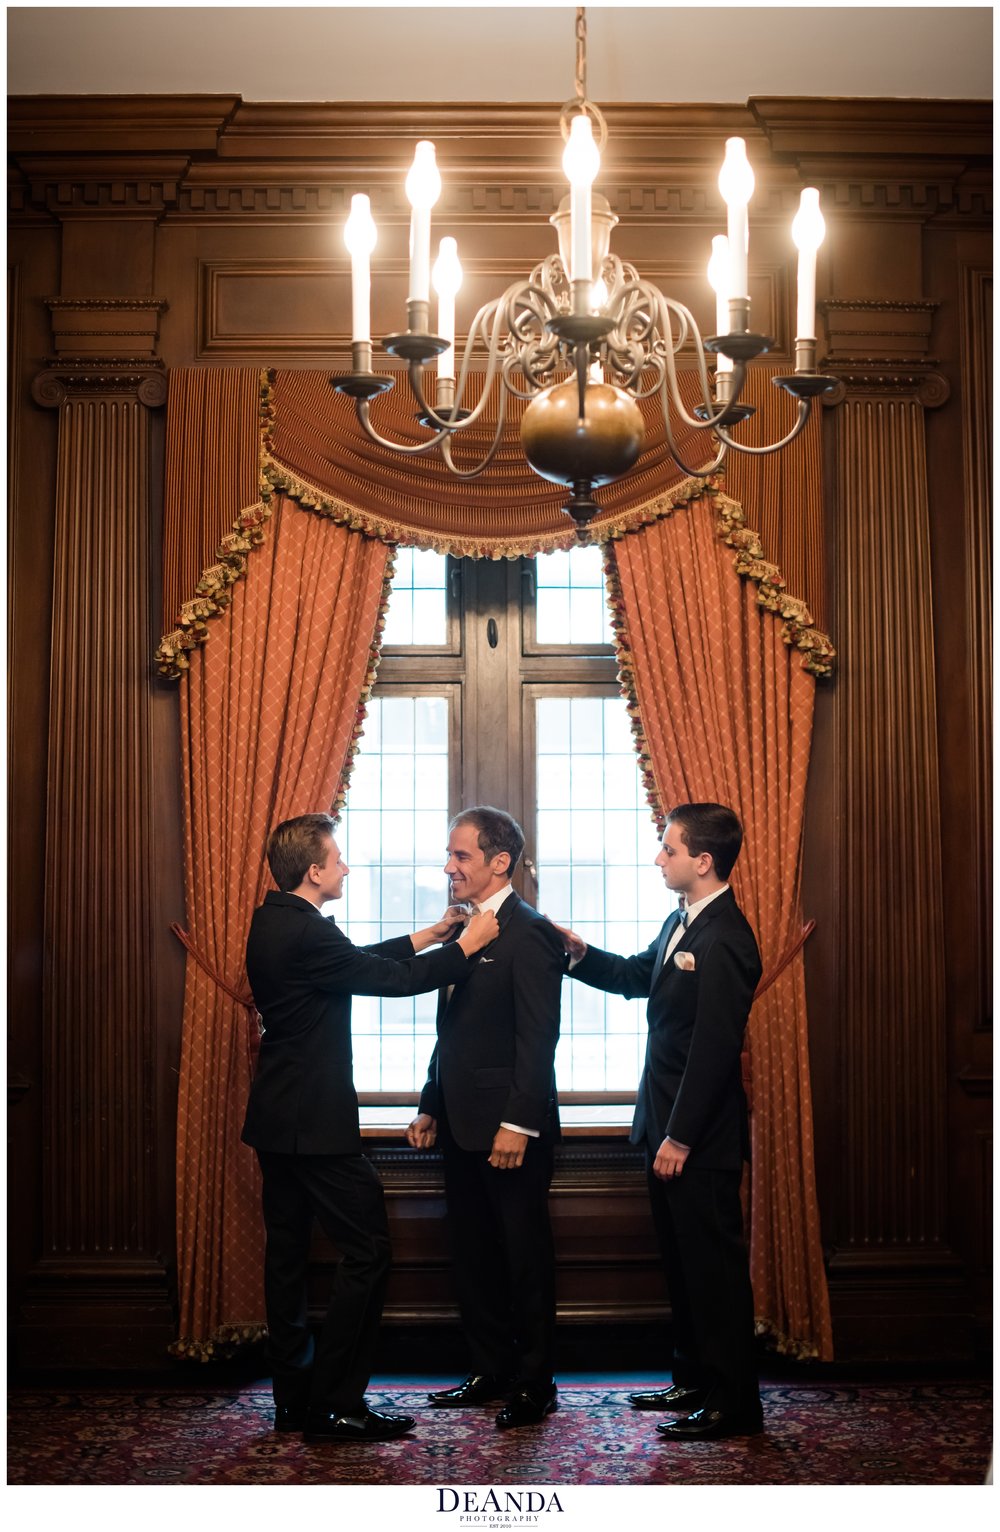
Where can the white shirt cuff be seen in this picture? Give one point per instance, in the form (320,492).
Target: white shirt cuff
(528,1132)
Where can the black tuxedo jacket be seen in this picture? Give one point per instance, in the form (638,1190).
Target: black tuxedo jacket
(691,1086)
(497,1034)
(303,972)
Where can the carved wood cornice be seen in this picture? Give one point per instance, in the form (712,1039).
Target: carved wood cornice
(504,192)
(865,127)
(116,124)
(957,130)
(81,156)
(490,131)
(132,186)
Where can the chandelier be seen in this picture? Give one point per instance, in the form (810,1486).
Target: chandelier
(585,337)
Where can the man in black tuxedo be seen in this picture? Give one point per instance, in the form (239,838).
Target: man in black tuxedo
(699,975)
(490,1103)
(302,1120)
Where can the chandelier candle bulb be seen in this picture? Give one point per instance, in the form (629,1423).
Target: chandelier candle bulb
(736,183)
(808,229)
(718,276)
(447,281)
(360,236)
(423,188)
(581,162)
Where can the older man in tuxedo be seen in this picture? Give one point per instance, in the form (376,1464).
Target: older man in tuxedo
(699,976)
(490,1104)
(302,1120)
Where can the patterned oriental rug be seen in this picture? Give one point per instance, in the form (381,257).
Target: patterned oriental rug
(820,1433)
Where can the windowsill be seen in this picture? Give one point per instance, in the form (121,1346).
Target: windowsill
(577,1121)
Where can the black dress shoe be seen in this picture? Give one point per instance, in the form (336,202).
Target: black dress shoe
(362,1425)
(289,1417)
(709,1425)
(678,1396)
(479,1388)
(527,1405)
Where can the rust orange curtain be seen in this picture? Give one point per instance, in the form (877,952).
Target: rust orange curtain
(725,710)
(269,715)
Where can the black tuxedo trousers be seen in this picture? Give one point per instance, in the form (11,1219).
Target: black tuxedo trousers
(344,1195)
(699,1229)
(503,1258)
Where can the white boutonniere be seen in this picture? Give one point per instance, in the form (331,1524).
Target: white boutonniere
(684,961)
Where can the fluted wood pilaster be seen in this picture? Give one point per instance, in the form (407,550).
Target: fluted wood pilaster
(99,970)
(977,368)
(99,1214)
(893,1171)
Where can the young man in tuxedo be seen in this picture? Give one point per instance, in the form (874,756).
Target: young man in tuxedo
(699,976)
(302,1120)
(490,1104)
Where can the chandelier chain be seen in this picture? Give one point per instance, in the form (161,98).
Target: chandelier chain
(581,53)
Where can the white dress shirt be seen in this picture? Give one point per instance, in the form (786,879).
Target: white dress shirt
(693,911)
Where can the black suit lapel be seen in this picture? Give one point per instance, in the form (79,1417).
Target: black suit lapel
(670,926)
(692,935)
(504,915)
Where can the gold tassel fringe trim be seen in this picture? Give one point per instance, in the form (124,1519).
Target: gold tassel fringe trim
(221,1346)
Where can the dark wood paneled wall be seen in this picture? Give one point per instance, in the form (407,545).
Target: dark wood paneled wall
(150,233)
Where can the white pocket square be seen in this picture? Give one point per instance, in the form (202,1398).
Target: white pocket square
(685,961)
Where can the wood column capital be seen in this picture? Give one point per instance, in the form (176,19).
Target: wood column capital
(103,346)
(882,346)
(86,376)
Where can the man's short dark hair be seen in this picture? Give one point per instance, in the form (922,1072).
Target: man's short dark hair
(498,832)
(294,845)
(710,827)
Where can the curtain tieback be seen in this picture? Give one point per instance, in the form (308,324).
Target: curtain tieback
(242,997)
(792,953)
(746,1067)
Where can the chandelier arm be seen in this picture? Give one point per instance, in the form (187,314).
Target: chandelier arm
(805,407)
(669,305)
(409,449)
(445,426)
(473,473)
(713,415)
(685,468)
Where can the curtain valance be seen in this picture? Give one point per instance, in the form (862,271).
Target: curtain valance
(249,434)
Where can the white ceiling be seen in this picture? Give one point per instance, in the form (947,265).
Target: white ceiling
(510,53)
